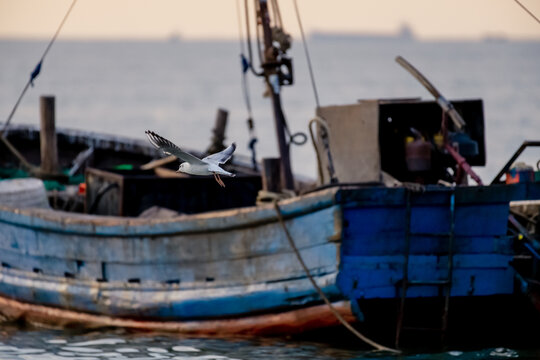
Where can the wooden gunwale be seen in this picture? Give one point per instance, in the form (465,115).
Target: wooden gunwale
(215,221)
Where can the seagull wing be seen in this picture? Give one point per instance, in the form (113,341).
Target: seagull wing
(222,156)
(170,149)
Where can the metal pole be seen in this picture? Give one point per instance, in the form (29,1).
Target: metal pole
(272,80)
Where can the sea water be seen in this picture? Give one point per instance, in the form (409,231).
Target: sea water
(42,344)
(175,88)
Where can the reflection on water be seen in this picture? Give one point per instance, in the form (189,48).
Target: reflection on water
(40,344)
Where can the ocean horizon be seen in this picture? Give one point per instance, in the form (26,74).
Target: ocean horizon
(175,86)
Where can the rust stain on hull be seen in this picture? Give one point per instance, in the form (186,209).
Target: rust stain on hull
(290,322)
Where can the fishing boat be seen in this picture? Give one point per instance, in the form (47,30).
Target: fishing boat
(391,224)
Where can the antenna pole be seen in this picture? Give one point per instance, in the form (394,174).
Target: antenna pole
(271,68)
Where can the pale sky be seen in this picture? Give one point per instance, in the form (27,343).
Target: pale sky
(204,19)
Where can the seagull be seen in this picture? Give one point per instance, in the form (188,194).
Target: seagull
(191,164)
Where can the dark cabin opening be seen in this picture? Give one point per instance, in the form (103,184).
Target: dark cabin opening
(131,192)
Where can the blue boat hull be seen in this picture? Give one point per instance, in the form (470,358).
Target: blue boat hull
(374,241)
(238,263)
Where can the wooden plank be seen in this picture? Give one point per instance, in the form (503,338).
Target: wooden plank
(271,267)
(436,195)
(309,230)
(159,162)
(168,173)
(389,243)
(377,276)
(168,301)
(81,224)
(290,322)
(47,265)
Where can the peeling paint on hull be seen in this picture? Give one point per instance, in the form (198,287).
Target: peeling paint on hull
(221,264)
(289,322)
(227,266)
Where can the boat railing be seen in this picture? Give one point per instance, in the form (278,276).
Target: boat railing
(506,167)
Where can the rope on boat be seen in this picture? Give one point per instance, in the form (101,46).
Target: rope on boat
(280,36)
(298,138)
(246,65)
(308,57)
(248,42)
(258,33)
(277,13)
(338,316)
(37,69)
(324,125)
(25,164)
(528,11)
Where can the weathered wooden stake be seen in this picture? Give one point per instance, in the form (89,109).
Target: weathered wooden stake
(219,132)
(49,150)
(271,175)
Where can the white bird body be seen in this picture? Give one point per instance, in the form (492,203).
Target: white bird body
(197,169)
(191,164)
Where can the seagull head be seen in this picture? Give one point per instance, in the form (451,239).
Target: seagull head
(182,167)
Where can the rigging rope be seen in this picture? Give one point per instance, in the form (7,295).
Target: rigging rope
(258,33)
(340,318)
(37,69)
(308,58)
(281,37)
(248,41)
(246,64)
(277,14)
(240,31)
(298,138)
(245,87)
(528,11)
(273,8)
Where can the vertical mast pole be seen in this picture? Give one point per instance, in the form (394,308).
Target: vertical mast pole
(270,67)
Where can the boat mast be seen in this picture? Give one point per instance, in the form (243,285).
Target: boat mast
(274,78)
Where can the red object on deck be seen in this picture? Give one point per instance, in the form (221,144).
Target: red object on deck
(520,176)
(460,160)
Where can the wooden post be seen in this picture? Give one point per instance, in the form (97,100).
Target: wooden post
(49,150)
(271,175)
(219,132)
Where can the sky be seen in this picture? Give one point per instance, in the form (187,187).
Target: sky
(217,19)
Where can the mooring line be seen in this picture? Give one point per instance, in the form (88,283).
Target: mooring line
(308,57)
(340,318)
(37,69)
(528,11)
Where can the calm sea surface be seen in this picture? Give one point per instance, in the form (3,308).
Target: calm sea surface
(118,344)
(175,88)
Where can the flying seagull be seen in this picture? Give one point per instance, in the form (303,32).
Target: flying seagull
(191,164)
